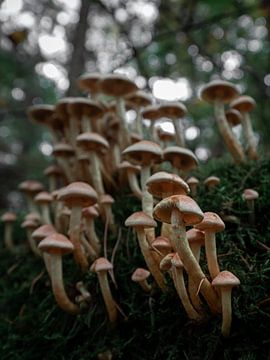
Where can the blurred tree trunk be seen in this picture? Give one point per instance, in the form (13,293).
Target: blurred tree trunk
(77,61)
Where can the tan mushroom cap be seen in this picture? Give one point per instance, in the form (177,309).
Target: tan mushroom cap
(140,274)
(81,106)
(144,151)
(53,170)
(225,279)
(166,263)
(165,135)
(43,197)
(106,199)
(78,193)
(56,244)
(173,110)
(8,217)
(61,108)
(140,219)
(33,216)
(162,243)
(212,181)
(101,264)
(31,186)
(139,99)
(165,183)
(90,212)
(233,117)
(180,157)
(29,224)
(151,112)
(63,150)
(190,212)
(243,104)
(192,181)
(211,222)
(89,82)
(93,142)
(219,90)
(41,114)
(250,194)
(195,236)
(176,261)
(42,232)
(117,85)
(126,165)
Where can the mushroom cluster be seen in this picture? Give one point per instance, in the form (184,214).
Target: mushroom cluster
(97,151)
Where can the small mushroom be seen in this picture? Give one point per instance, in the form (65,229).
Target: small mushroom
(140,276)
(8,219)
(44,199)
(211,182)
(193,183)
(250,195)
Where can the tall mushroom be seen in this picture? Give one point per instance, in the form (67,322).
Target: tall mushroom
(30,188)
(182,160)
(131,171)
(8,219)
(44,199)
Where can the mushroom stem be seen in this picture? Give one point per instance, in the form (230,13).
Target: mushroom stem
(32,208)
(138,122)
(8,238)
(45,214)
(211,253)
(233,145)
(226,300)
(32,243)
(74,130)
(147,201)
(249,137)
(251,208)
(58,286)
(64,165)
(88,248)
(96,173)
(179,136)
(86,124)
(179,284)
(149,259)
(74,230)
(145,285)
(107,296)
(124,133)
(133,183)
(180,243)
(91,234)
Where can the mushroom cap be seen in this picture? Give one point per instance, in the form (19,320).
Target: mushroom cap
(195,236)
(8,217)
(89,82)
(80,106)
(116,85)
(90,212)
(233,117)
(61,108)
(166,263)
(140,219)
(78,193)
(63,150)
(190,212)
(43,197)
(211,222)
(53,170)
(33,216)
(225,279)
(219,90)
(56,244)
(250,194)
(101,264)
(29,224)
(143,152)
(125,165)
(243,104)
(173,110)
(162,183)
(31,186)
(139,99)
(192,181)
(180,157)
(162,243)
(151,112)
(212,181)
(42,232)
(93,142)
(106,199)
(41,114)
(176,261)
(165,135)
(140,274)
(134,137)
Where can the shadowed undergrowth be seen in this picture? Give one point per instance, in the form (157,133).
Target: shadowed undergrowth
(152,326)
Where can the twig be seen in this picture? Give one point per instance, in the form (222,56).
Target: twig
(35,280)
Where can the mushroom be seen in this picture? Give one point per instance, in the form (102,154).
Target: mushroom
(57,245)
(211,182)
(219,93)
(83,290)
(165,136)
(233,117)
(43,199)
(140,276)
(54,172)
(63,153)
(193,183)
(106,201)
(101,266)
(183,160)
(245,104)
(161,247)
(30,226)
(132,170)
(182,211)
(90,83)
(250,195)
(89,213)
(30,188)
(8,219)
(225,281)
(76,196)
(141,221)
(152,114)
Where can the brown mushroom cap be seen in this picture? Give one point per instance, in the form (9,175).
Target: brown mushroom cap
(176,261)
(180,157)
(165,135)
(140,274)
(78,193)
(89,82)
(101,264)
(192,181)
(31,186)
(225,279)
(56,244)
(90,212)
(9,217)
(42,232)
(173,110)
(61,108)
(166,263)
(144,151)
(63,150)
(190,212)
(93,142)
(117,85)
(139,99)
(33,217)
(134,137)
(250,194)
(165,183)
(43,197)
(81,106)
(195,236)
(219,90)
(243,104)
(162,243)
(140,219)
(29,224)
(41,114)
(212,181)
(211,222)
(151,112)
(233,117)
(106,199)
(125,165)
(53,170)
